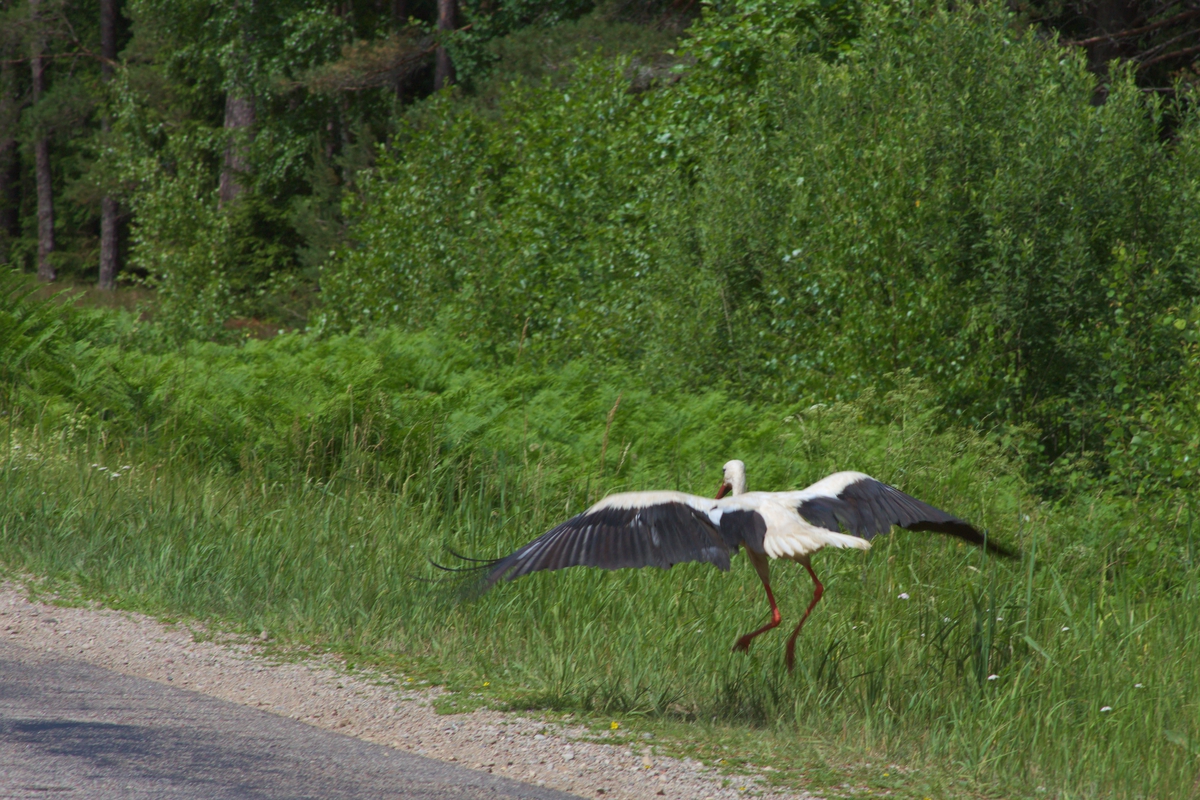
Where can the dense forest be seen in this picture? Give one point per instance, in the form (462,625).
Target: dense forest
(286,102)
(791,202)
(301,294)
(801,199)
(276,104)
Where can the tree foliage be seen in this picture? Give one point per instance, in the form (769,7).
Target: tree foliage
(949,201)
(802,199)
(943,198)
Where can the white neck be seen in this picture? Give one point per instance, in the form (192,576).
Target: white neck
(735,476)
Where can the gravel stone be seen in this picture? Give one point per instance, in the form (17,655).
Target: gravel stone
(370,706)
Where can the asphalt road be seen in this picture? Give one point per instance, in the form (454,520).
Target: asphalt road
(71,730)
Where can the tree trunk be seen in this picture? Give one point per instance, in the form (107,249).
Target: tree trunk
(239,122)
(1113,16)
(10,184)
(399,23)
(443,74)
(109,212)
(41,153)
(10,163)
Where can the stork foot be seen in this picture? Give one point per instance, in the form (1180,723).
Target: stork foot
(742,645)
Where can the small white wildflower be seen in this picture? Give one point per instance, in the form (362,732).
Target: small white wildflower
(1065,628)
(1106,709)
(1138,686)
(993,677)
(999,619)
(903,595)
(945,619)
(126,467)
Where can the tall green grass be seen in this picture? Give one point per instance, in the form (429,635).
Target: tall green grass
(1101,613)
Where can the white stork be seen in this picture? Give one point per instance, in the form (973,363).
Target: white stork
(661,529)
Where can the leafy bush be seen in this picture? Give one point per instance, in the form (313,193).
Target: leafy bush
(950,201)
(941,196)
(178,235)
(530,224)
(206,262)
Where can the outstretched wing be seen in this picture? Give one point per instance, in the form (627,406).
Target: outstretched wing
(639,529)
(854,503)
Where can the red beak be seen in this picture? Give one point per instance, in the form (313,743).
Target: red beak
(724,490)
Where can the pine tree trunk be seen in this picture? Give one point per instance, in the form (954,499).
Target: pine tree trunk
(443,74)
(399,23)
(10,184)
(10,163)
(110,214)
(240,117)
(239,122)
(1113,16)
(109,211)
(41,155)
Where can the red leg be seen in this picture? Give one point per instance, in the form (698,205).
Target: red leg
(743,643)
(818,590)
(760,564)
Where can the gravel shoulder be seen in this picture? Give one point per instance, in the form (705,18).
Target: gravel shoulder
(374,708)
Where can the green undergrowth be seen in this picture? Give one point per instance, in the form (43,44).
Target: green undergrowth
(302,486)
(815,198)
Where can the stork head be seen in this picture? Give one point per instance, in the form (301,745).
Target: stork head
(734,480)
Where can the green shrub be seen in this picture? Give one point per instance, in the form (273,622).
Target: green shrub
(178,234)
(531,224)
(948,200)
(940,194)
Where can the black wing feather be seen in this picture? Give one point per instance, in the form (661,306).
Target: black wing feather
(869,507)
(660,535)
(744,527)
